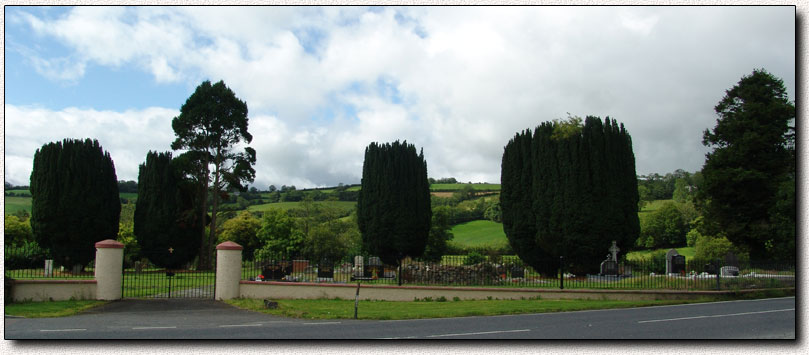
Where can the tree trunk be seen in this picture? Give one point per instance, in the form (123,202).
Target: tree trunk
(204,249)
(212,230)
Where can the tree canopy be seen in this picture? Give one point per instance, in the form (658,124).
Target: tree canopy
(75,200)
(393,208)
(212,128)
(749,177)
(569,190)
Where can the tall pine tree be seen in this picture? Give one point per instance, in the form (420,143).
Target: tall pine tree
(393,207)
(75,200)
(749,177)
(166,220)
(569,189)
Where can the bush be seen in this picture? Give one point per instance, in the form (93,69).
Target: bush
(474,258)
(712,248)
(29,256)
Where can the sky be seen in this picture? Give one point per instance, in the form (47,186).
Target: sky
(321,83)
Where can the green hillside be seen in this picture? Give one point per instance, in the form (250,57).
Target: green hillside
(479,233)
(342,205)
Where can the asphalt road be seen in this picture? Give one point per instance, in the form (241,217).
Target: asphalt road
(184,319)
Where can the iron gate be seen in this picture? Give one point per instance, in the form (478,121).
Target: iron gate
(142,279)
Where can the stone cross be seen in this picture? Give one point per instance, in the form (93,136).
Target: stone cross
(614,250)
(171,250)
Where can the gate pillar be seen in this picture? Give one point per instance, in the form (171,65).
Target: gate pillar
(109,269)
(228,270)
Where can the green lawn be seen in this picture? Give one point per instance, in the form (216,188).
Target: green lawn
(50,309)
(384,310)
(479,233)
(342,205)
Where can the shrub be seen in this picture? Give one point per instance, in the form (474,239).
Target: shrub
(712,248)
(474,258)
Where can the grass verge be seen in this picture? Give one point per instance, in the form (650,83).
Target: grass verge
(50,309)
(389,310)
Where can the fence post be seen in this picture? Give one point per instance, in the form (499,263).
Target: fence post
(561,272)
(228,270)
(109,265)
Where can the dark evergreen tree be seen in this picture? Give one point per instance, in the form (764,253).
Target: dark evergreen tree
(750,174)
(75,200)
(393,207)
(569,189)
(166,220)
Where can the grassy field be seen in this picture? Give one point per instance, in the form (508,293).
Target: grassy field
(342,205)
(454,187)
(441,308)
(479,233)
(14,204)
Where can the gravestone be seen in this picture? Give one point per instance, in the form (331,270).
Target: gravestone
(609,267)
(49,268)
(517,271)
(678,264)
(276,271)
(669,255)
(726,271)
(710,268)
(374,268)
(325,270)
(358,266)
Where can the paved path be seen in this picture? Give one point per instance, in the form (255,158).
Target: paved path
(199,319)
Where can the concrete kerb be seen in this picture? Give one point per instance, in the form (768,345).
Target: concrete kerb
(303,290)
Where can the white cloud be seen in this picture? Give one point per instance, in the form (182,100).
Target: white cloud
(127,136)
(458,82)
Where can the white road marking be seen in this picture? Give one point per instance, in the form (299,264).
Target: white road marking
(239,325)
(716,316)
(61,330)
(321,323)
(141,328)
(478,333)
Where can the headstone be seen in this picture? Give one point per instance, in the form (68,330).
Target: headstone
(614,251)
(517,271)
(609,267)
(358,266)
(670,254)
(49,268)
(276,271)
(710,269)
(138,267)
(374,260)
(678,264)
(325,270)
(731,260)
(726,271)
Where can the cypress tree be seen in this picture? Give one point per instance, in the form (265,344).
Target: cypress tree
(75,200)
(166,224)
(393,207)
(582,193)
